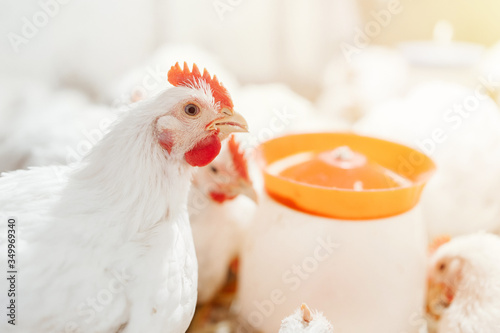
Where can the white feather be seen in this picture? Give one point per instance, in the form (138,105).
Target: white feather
(476,304)
(218,228)
(117,218)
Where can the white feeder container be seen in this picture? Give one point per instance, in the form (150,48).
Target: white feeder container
(366,274)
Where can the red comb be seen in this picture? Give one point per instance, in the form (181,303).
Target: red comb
(184,77)
(239,160)
(437,242)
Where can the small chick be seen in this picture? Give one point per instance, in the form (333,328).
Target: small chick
(305,321)
(464,285)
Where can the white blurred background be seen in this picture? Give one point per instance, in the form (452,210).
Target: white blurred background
(425,73)
(89,44)
(334,65)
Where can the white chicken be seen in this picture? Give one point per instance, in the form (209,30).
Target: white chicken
(460,129)
(47,126)
(489,71)
(106,245)
(18,90)
(352,88)
(73,125)
(218,218)
(464,285)
(305,321)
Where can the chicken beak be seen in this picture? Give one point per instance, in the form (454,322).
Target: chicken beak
(438,298)
(246,189)
(230,123)
(243,187)
(306,313)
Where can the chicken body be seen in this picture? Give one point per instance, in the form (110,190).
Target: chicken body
(464,285)
(217,233)
(47,127)
(489,69)
(352,88)
(460,129)
(106,245)
(219,217)
(72,122)
(103,247)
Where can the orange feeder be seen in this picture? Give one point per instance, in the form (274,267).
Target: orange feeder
(343,175)
(307,243)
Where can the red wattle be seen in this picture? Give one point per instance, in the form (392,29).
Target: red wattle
(220,197)
(204,151)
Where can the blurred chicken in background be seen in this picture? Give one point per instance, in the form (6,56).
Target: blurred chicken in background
(464,285)
(46,125)
(219,217)
(460,130)
(149,77)
(274,109)
(489,68)
(351,88)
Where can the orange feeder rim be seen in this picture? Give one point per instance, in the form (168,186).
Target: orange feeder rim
(343,203)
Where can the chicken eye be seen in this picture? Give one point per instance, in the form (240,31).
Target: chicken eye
(442,267)
(213,169)
(192,110)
